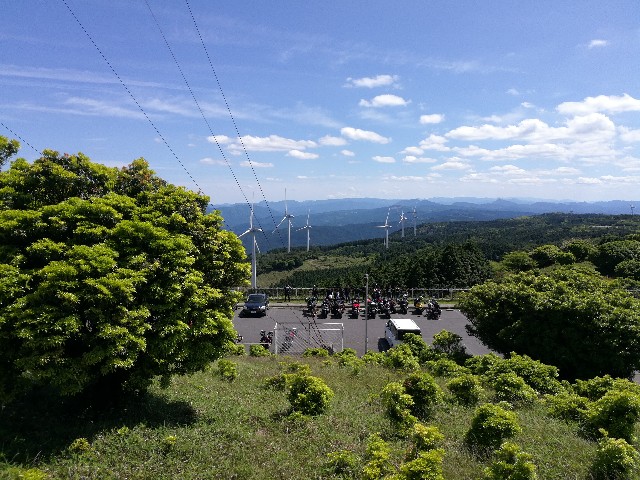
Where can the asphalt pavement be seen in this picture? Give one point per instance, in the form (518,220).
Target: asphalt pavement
(359,333)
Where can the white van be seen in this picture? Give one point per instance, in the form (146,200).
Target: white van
(397,328)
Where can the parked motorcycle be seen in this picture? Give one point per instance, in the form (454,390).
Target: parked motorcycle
(355,308)
(289,336)
(433,310)
(419,305)
(372,309)
(337,308)
(312,306)
(325,308)
(266,339)
(403,305)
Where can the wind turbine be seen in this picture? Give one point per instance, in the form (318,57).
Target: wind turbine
(415,215)
(632,207)
(253,230)
(307,227)
(402,219)
(287,217)
(386,227)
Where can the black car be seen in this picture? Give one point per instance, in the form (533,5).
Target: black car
(256,304)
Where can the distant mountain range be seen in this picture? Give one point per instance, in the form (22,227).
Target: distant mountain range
(350,219)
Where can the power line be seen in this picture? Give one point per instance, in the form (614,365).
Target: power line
(21,139)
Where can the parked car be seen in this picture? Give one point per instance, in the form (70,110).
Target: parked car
(256,304)
(397,328)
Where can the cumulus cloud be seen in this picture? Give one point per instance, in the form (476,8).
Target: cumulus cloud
(434,142)
(212,161)
(597,43)
(331,141)
(364,135)
(431,118)
(347,153)
(412,151)
(601,103)
(272,143)
(629,136)
(302,155)
(414,159)
(380,159)
(372,82)
(386,100)
(256,164)
(452,164)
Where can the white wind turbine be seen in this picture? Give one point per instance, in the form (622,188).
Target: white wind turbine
(386,227)
(307,227)
(402,220)
(287,217)
(253,230)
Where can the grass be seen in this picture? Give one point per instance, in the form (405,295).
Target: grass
(204,427)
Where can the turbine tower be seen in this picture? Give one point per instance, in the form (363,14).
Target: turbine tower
(307,227)
(632,207)
(287,217)
(415,215)
(253,230)
(402,220)
(386,227)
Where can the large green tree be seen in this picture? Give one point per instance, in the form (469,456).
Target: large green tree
(109,277)
(572,318)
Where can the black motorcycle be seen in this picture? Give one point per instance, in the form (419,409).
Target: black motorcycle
(312,306)
(266,339)
(325,308)
(432,310)
(337,308)
(403,305)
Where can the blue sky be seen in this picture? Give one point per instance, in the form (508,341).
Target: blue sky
(412,99)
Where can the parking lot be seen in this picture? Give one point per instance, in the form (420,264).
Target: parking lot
(354,328)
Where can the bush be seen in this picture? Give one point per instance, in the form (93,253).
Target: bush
(597,387)
(309,395)
(542,378)
(450,344)
(235,349)
(419,348)
(425,393)
(316,352)
(511,463)
(511,388)
(427,466)
(401,357)
(378,455)
(481,364)
(352,362)
(259,351)
(424,438)
(616,413)
(343,463)
(490,425)
(373,358)
(466,389)
(567,406)
(615,459)
(227,370)
(398,406)
(446,368)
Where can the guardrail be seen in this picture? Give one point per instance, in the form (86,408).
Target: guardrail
(301,293)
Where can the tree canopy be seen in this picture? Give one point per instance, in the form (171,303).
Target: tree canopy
(109,277)
(570,317)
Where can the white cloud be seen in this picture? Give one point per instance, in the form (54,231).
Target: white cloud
(414,159)
(527,105)
(452,164)
(380,159)
(365,135)
(434,142)
(589,181)
(412,151)
(629,136)
(212,161)
(256,164)
(386,100)
(272,143)
(431,118)
(331,141)
(302,155)
(371,82)
(601,103)
(347,153)
(513,91)
(597,43)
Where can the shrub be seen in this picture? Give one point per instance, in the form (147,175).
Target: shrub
(401,357)
(316,352)
(347,352)
(424,438)
(450,344)
(511,463)
(466,389)
(373,358)
(481,364)
(398,406)
(567,406)
(490,425)
(258,351)
(227,370)
(29,474)
(352,362)
(378,456)
(235,349)
(309,395)
(616,413)
(295,367)
(80,445)
(542,378)
(343,463)
(444,367)
(597,387)
(511,388)
(615,459)
(427,466)
(419,348)
(425,393)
